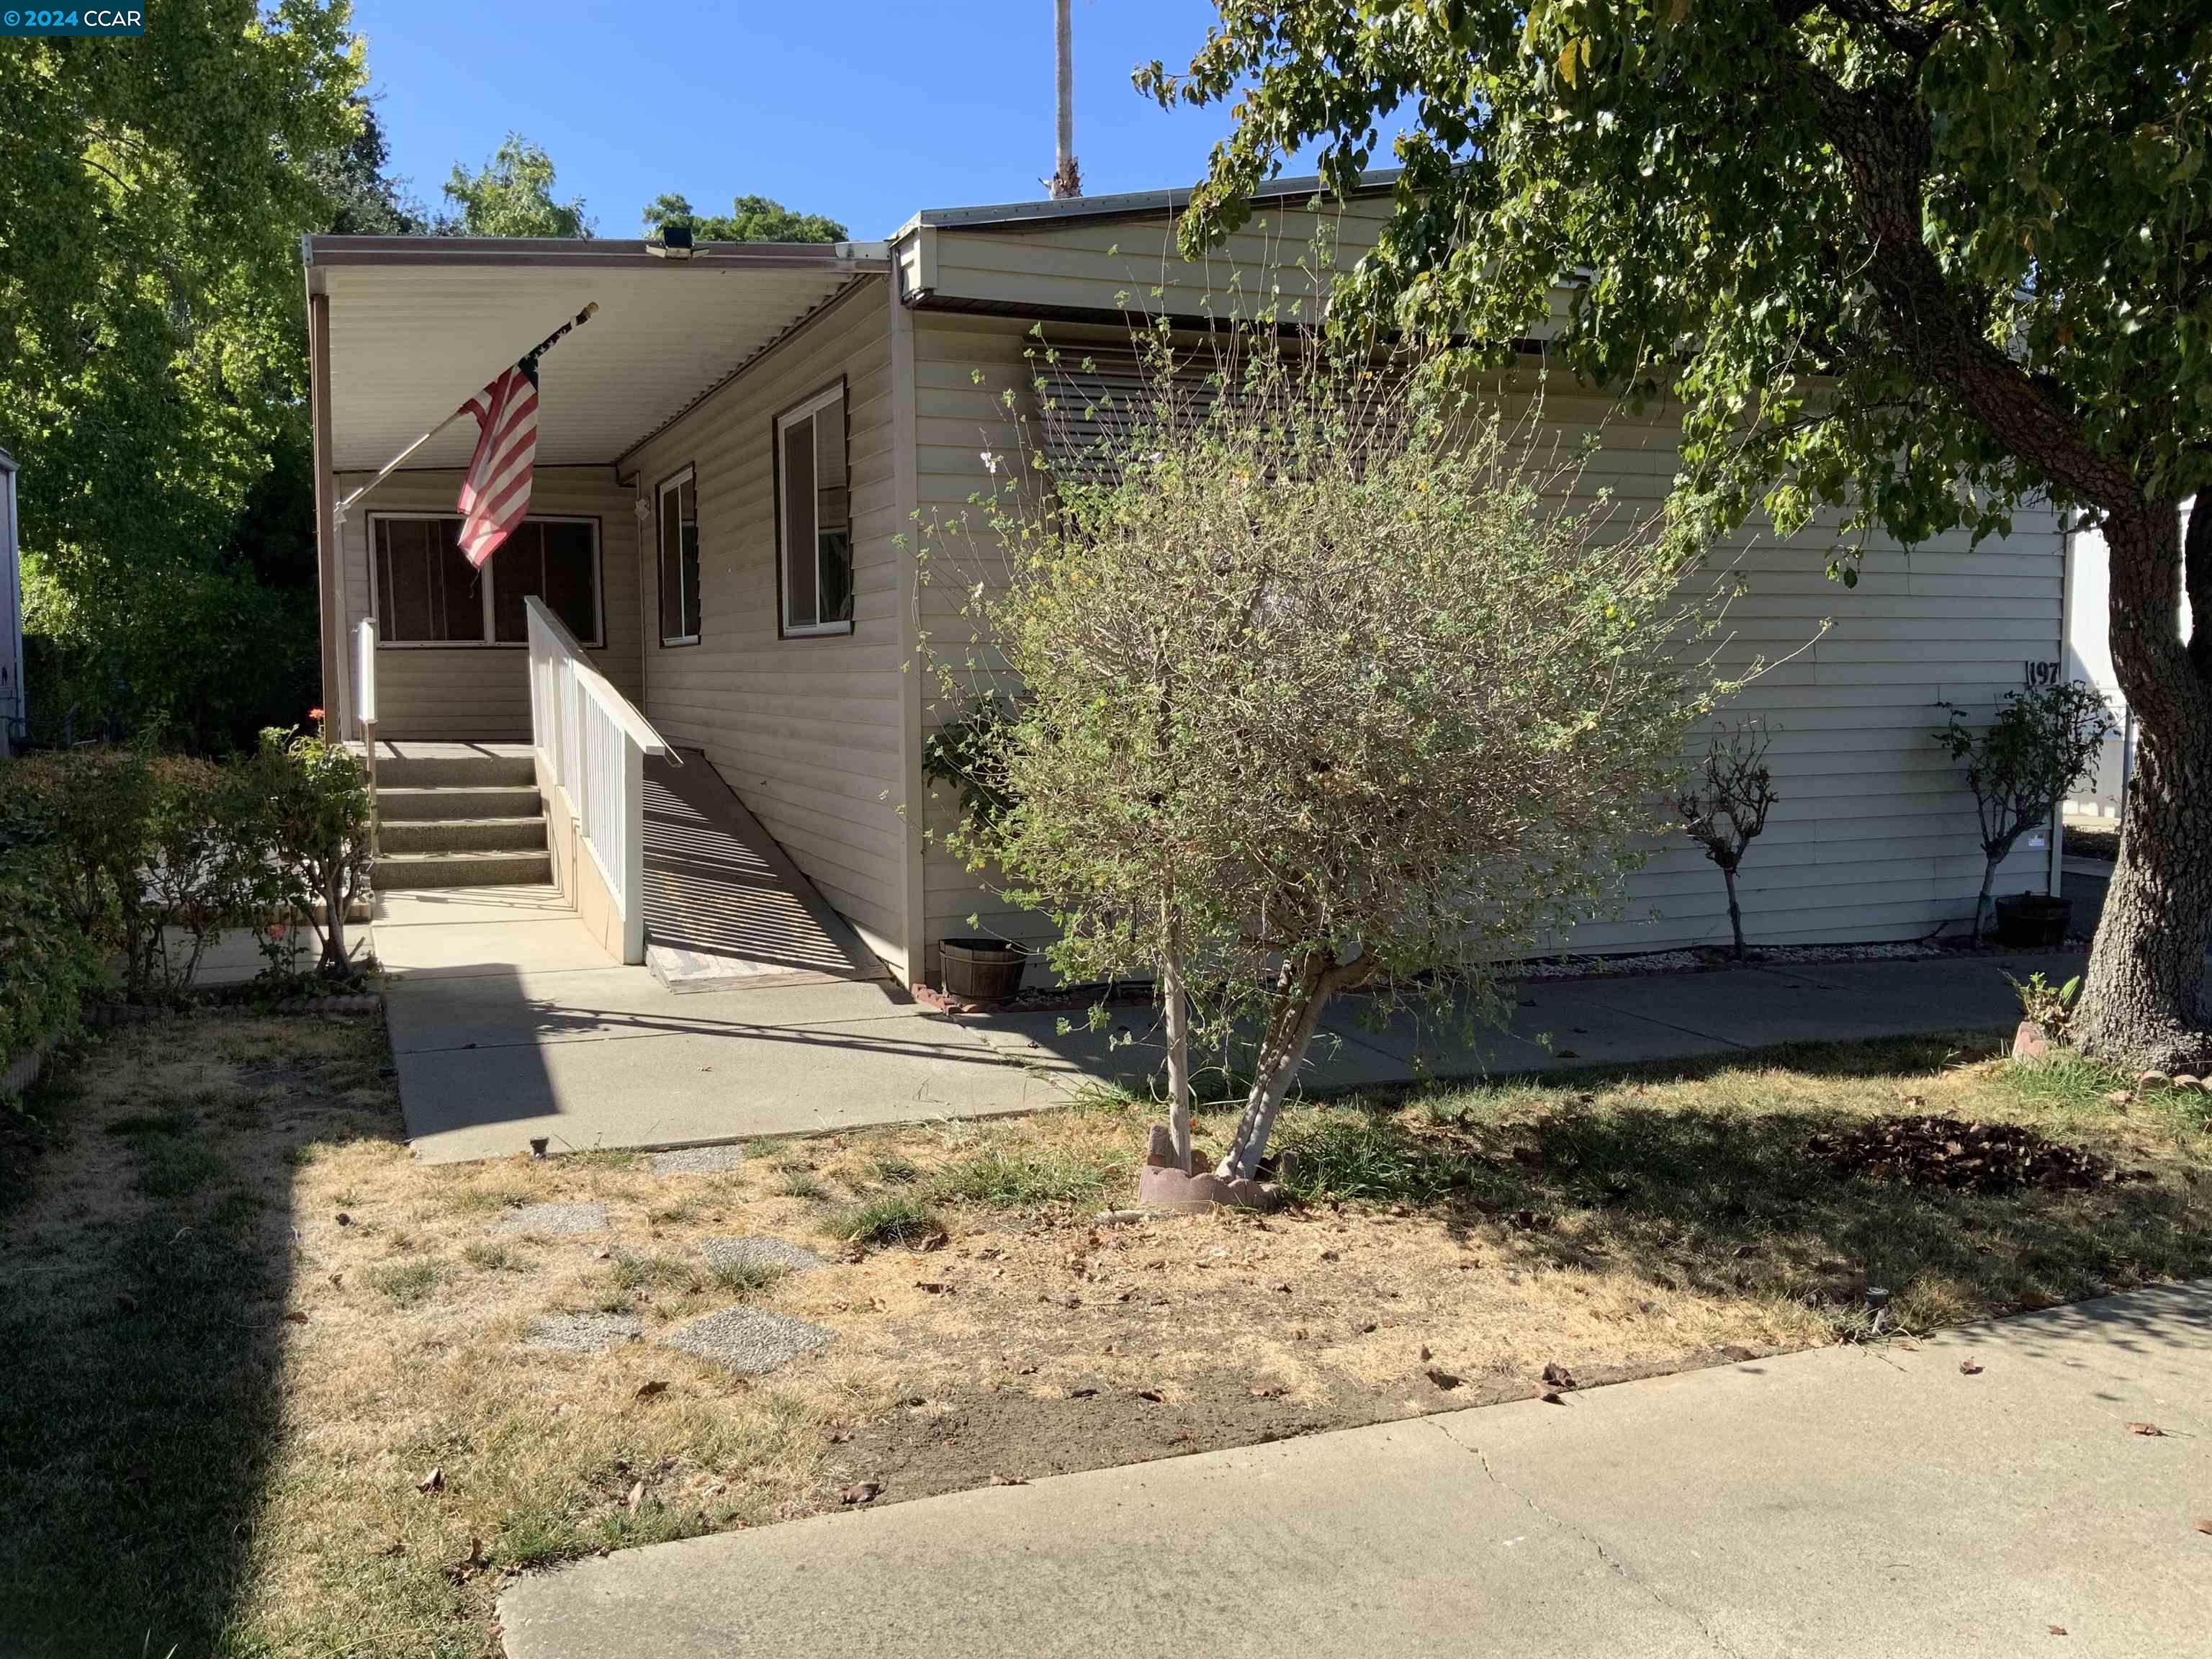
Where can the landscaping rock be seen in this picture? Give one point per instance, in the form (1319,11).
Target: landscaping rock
(2183,1081)
(586,1332)
(749,1341)
(760,1252)
(2030,1041)
(698,1160)
(556,1219)
(2153,1080)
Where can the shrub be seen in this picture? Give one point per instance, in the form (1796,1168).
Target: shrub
(310,825)
(144,855)
(47,963)
(2021,766)
(1311,682)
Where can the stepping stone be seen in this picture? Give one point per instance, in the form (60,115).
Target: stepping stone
(760,1252)
(586,1332)
(747,1341)
(698,1160)
(553,1218)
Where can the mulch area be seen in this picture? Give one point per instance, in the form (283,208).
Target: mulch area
(1964,1157)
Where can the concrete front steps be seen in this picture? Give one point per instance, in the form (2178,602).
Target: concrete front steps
(457,815)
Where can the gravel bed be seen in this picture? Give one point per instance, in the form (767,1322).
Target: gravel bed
(748,1340)
(698,1160)
(586,1332)
(760,1252)
(553,1218)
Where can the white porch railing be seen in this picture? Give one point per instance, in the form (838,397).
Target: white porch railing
(593,743)
(364,707)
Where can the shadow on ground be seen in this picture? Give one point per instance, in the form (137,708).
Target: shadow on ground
(146,1227)
(1708,1176)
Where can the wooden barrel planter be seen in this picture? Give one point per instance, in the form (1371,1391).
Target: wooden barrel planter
(2033,922)
(981,969)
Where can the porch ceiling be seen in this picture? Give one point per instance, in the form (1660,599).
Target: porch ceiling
(419,324)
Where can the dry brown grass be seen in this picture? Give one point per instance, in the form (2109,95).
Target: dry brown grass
(354,1325)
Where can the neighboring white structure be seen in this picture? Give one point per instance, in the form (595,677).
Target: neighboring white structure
(2089,657)
(13,707)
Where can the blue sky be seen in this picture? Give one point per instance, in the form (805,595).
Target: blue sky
(863,111)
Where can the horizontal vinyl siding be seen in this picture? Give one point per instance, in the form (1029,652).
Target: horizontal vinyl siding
(1132,263)
(1874,837)
(804,730)
(463,691)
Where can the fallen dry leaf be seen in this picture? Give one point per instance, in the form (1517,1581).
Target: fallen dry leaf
(2205,1526)
(1268,1391)
(297,1316)
(860,1491)
(2058,1630)
(434,1481)
(1559,1375)
(1969,1368)
(1443,1378)
(636,1496)
(2150,1429)
(1010,1480)
(647,1390)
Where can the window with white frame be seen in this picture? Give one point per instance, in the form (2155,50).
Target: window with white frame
(426,592)
(679,559)
(814,516)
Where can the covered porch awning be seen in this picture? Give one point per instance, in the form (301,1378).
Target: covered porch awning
(417,325)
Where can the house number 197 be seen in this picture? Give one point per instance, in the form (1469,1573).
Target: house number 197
(2042,674)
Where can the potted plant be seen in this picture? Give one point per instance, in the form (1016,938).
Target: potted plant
(981,969)
(2019,767)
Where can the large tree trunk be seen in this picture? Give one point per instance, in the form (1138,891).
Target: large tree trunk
(2142,1004)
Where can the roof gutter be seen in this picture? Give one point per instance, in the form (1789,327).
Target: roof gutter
(319,254)
(1371,182)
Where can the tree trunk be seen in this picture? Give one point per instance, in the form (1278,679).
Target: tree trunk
(335,900)
(1981,898)
(1290,1029)
(1178,1008)
(2142,1004)
(1735,910)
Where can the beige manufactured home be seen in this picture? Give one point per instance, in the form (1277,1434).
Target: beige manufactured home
(713,570)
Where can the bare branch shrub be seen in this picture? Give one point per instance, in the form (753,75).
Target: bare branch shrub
(1727,811)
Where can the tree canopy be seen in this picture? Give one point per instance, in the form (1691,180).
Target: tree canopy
(1917,261)
(512,195)
(751,219)
(1756,192)
(151,342)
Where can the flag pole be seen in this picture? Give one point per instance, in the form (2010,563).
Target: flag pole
(394,465)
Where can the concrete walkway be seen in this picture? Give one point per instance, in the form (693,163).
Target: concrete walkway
(509,1023)
(1877,1502)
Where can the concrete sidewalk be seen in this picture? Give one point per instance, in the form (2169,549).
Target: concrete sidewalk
(509,1023)
(1877,1502)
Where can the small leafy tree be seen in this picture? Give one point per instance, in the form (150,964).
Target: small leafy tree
(1727,811)
(2021,765)
(1320,688)
(314,828)
(751,219)
(512,195)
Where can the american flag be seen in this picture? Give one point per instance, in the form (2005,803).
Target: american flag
(496,492)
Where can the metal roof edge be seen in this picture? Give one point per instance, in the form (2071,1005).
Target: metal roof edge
(1147,201)
(323,251)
